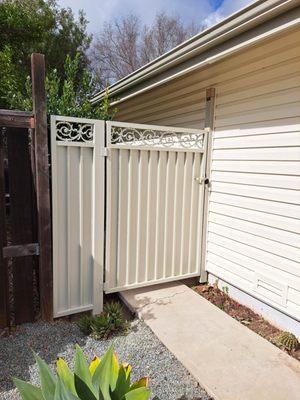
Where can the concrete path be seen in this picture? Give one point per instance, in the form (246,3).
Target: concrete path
(229,360)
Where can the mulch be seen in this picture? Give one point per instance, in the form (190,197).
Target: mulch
(243,314)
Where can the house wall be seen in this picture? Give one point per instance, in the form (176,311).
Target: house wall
(254,204)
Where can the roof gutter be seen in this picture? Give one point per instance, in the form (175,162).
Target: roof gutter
(250,16)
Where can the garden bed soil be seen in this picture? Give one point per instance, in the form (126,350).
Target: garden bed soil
(243,314)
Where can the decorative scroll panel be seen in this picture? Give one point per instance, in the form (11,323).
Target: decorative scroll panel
(67,131)
(124,136)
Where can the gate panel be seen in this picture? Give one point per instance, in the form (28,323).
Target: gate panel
(78,214)
(154,204)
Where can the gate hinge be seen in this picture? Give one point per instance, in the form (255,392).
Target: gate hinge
(104,152)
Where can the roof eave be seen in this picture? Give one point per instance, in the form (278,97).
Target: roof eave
(247,18)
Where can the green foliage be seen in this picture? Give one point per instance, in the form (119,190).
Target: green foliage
(225,289)
(288,341)
(110,321)
(85,324)
(29,26)
(102,379)
(67,97)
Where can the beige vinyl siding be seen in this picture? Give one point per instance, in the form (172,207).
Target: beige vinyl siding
(254,207)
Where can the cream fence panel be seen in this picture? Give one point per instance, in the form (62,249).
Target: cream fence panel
(78,214)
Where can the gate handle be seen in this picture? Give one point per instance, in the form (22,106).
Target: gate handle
(201,180)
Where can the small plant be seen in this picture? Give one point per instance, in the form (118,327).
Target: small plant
(110,321)
(288,341)
(225,289)
(85,324)
(102,379)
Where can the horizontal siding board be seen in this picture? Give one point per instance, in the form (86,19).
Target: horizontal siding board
(268,87)
(258,192)
(266,180)
(278,235)
(275,98)
(163,104)
(266,140)
(291,225)
(266,114)
(261,154)
(267,207)
(288,168)
(274,261)
(253,265)
(276,69)
(258,242)
(238,269)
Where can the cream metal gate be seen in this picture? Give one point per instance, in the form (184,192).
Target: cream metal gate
(154,207)
(78,214)
(154,197)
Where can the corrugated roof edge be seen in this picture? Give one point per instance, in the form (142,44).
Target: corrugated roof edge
(255,14)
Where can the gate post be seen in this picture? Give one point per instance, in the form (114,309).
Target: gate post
(4,305)
(209,126)
(40,139)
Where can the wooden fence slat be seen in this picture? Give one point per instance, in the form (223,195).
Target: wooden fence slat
(16,119)
(21,221)
(22,250)
(42,185)
(4,309)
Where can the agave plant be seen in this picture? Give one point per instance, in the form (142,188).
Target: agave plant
(102,379)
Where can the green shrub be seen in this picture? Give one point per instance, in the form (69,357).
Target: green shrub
(103,379)
(110,321)
(85,324)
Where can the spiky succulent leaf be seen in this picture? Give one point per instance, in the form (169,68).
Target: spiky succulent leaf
(28,391)
(65,374)
(85,324)
(101,326)
(48,380)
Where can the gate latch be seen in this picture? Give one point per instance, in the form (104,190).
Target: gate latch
(202,180)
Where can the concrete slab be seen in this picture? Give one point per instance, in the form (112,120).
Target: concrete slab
(229,360)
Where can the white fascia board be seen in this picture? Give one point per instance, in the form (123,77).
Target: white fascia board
(232,26)
(212,59)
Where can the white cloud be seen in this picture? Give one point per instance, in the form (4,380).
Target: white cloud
(99,11)
(227,8)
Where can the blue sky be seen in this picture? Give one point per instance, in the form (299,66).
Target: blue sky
(209,11)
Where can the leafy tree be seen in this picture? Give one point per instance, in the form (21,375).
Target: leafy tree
(29,26)
(67,96)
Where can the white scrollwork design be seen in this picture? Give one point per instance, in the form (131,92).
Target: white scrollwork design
(136,137)
(74,131)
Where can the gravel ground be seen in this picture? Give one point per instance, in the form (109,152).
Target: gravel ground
(169,380)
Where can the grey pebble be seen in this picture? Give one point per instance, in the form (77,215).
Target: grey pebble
(169,380)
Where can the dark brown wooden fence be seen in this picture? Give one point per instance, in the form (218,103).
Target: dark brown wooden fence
(25,221)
